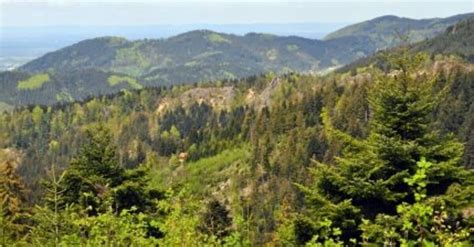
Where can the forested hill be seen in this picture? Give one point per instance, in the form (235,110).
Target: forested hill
(385,31)
(106,65)
(204,55)
(20,88)
(455,40)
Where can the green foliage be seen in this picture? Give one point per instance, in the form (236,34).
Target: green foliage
(216,38)
(131,60)
(380,31)
(249,155)
(115,80)
(292,47)
(64,97)
(95,178)
(62,86)
(419,220)
(7,228)
(82,70)
(50,226)
(113,201)
(452,41)
(423,222)
(34,82)
(223,163)
(94,169)
(180,224)
(372,179)
(52,219)
(108,229)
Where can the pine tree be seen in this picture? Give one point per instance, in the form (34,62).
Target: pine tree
(369,178)
(52,220)
(93,170)
(95,180)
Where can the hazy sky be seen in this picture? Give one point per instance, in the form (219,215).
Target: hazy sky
(143,12)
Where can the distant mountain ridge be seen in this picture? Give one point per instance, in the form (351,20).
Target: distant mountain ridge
(206,55)
(107,65)
(237,55)
(22,44)
(383,32)
(455,40)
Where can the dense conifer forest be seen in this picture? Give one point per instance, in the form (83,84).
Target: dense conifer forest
(378,155)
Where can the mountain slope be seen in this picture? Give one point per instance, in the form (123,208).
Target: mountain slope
(383,32)
(94,53)
(206,55)
(83,70)
(193,51)
(239,154)
(20,88)
(456,40)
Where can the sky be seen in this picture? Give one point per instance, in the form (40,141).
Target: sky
(20,13)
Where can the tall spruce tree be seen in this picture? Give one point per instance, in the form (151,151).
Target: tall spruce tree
(370,177)
(95,179)
(93,170)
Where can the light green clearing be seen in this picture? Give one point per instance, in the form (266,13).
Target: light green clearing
(131,60)
(212,170)
(115,80)
(216,38)
(34,82)
(202,174)
(292,47)
(206,55)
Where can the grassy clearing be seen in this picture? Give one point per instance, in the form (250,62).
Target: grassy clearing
(202,175)
(216,38)
(292,47)
(202,168)
(115,80)
(34,82)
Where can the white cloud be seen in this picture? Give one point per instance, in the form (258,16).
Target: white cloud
(145,12)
